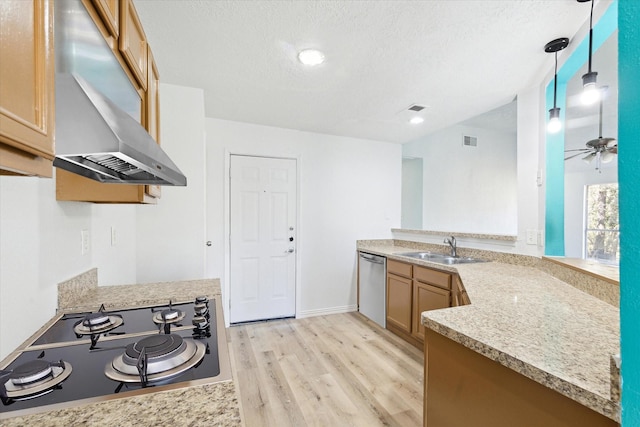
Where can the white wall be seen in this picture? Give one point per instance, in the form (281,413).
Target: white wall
(468,189)
(39,247)
(349,189)
(412,180)
(116,263)
(530,189)
(171,235)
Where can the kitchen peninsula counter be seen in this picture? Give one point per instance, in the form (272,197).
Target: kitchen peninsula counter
(214,404)
(528,321)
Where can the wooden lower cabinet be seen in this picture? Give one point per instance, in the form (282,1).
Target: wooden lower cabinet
(426,297)
(412,289)
(464,388)
(399,296)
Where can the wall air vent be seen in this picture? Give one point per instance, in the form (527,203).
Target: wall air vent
(416,107)
(469,141)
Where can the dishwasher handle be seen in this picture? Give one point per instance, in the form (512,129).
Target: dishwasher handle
(372,259)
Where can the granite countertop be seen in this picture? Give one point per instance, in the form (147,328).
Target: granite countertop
(213,404)
(531,322)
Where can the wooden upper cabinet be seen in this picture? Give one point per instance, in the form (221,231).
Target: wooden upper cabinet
(152,104)
(109,11)
(26,87)
(133,42)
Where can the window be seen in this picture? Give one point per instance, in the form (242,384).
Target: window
(602,231)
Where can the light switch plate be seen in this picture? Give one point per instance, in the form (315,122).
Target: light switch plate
(532,237)
(85,241)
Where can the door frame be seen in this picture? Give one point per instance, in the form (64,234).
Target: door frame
(225,285)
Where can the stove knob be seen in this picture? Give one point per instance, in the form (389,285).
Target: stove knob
(201,309)
(202,300)
(200,322)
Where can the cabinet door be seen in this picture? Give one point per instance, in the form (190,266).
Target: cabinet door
(456,291)
(152,104)
(133,42)
(426,297)
(109,11)
(399,290)
(26,86)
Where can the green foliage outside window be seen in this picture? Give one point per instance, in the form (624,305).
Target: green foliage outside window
(602,231)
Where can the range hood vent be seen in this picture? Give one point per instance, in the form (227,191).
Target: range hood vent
(98,140)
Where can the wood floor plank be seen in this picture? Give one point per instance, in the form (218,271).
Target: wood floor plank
(281,399)
(316,397)
(335,370)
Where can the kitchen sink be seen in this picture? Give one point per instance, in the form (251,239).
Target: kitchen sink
(440,258)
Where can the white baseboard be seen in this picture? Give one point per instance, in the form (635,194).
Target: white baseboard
(324,311)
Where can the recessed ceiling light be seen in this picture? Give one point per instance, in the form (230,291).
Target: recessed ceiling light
(311,57)
(416,120)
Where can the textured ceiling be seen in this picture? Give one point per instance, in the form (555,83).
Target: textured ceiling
(459,58)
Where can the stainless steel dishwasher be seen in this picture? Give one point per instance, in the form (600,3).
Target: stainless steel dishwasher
(372,287)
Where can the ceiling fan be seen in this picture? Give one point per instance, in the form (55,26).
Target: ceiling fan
(601,149)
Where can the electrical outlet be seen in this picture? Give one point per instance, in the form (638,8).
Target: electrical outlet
(532,238)
(113,236)
(85,241)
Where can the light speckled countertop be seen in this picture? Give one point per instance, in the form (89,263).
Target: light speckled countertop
(531,322)
(209,404)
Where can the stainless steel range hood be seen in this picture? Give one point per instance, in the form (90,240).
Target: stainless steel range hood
(95,137)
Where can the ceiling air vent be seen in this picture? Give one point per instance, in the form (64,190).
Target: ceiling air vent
(469,141)
(416,107)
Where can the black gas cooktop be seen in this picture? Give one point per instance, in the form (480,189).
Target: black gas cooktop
(104,354)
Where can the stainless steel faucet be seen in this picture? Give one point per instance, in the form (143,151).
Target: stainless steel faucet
(451,241)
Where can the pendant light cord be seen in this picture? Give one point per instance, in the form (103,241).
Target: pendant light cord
(590,34)
(555,81)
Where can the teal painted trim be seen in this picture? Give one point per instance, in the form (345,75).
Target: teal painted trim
(554,158)
(554,194)
(629,201)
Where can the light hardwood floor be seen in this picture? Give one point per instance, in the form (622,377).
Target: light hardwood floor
(334,370)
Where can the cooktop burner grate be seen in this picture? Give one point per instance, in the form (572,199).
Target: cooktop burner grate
(32,379)
(156,358)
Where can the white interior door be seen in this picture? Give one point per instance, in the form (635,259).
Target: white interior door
(263,238)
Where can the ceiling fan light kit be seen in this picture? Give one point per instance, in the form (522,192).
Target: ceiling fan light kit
(554,46)
(602,149)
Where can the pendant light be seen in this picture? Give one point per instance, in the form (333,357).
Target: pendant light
(590,92)
(555,46)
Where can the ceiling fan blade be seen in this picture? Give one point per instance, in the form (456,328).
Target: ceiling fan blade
(574,155)
(583,150)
